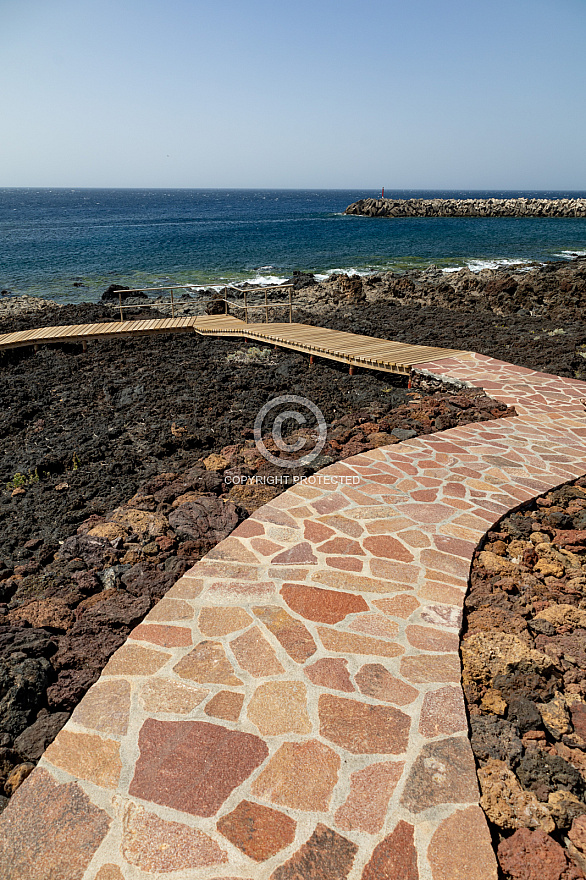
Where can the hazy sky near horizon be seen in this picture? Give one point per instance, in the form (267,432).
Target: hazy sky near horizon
(458,94)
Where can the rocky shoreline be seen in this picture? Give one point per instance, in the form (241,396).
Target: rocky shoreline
(468,208)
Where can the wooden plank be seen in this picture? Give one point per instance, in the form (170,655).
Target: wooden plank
(349,348)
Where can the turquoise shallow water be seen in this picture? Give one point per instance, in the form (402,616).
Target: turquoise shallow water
(52,241)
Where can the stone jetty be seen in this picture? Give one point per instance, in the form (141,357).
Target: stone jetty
(468,208)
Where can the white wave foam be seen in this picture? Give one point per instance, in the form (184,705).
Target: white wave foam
(479,265)
(264,280)
(569,255)
(351,271)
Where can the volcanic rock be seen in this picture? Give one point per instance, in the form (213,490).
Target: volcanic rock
(206,521)
(33,741)
(506,804)
(544,774)
(533,855)
(495,738)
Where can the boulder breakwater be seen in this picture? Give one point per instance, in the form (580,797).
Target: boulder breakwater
(468,208)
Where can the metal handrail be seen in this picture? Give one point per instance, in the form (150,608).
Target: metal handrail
(224,299)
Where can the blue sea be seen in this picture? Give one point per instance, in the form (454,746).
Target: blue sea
(70,244)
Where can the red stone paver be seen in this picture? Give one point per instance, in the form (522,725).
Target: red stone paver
(260,832)
(292,708)
(300,775)
(324,606)
(255,655)
(192,766)
(154,845)
(394,857)
(370,791)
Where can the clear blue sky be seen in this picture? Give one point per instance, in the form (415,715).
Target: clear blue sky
(310,93)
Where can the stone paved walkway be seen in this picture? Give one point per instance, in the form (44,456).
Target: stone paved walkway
(292,708)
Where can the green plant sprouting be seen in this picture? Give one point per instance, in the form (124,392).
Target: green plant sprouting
(19,481)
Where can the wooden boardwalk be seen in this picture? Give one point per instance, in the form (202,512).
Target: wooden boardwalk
(347,348)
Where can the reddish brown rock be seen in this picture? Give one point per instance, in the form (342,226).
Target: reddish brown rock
(154,845)
(404,575)
(325,856)
(207,663)
(324,606)
(193,766)
(299,775)
(87,756)
(291,633)
(348,643)
(255,655)
(241,591)
(355,583)
(172,608)
(279,707)
(395,857)
(217,621)
(375,681)
(299,554)
(232,550)
(362,728)
(375,625)
(578,711)
(259,832)
(226,705)
(49,830)
(427,638)
(316,532)
(159,634)
(345,563)
(109,872)
(534,855)
(431,667)
(329,503)
(398,606)
(330,673)
(451,855)
(163,695)
(135,660)
(342,524)
(443,712)
(186,587)
(105,707)
(577,833)
(52,613)
(444,773)
(387,547)
(343,546)
(370,791)
(265,547)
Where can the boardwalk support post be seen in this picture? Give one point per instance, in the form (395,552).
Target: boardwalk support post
(172,305)
(352,370)
(120,301)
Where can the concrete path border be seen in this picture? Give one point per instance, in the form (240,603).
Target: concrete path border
(292,708)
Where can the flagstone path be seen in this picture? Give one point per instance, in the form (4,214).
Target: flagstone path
(292,709)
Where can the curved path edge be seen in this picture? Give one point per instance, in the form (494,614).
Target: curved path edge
(292,707)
